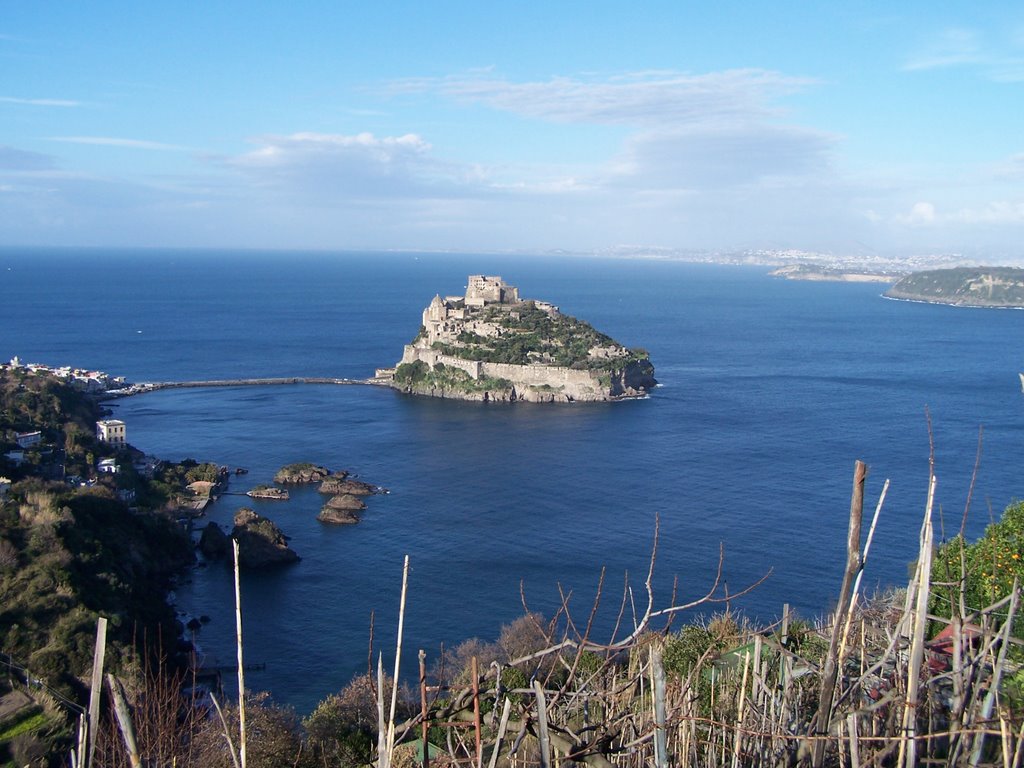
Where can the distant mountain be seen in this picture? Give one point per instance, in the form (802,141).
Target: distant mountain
(964,286)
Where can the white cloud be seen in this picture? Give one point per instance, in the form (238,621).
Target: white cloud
(1011,169)
(954,47)
(40,102)
(662,98)
(709,158)
(329,167)
(108,141)
(960,47)
(999,212)
(921,213)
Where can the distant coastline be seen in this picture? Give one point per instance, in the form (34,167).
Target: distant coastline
(986,287)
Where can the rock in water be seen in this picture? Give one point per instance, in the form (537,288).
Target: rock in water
(303,472)
(339,485)
(260,542)
(214,543)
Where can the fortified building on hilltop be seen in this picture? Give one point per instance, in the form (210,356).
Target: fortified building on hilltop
(491,345)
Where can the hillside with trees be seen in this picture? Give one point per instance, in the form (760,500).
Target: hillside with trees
(963,286)
(930,673)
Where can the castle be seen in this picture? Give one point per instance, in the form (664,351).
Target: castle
(487,315)
(444,319)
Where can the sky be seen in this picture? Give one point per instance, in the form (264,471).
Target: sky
(846,128)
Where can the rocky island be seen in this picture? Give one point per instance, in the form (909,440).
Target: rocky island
(963,286)
(490,345)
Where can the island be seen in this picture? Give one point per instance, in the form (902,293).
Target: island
(964,287)
(490,345)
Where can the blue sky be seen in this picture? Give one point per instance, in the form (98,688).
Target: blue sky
(845,127)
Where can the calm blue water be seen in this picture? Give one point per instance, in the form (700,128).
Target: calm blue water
(770,391)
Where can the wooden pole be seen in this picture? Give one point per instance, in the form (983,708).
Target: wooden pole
(476,712)
(502,726)
(542,726)
(96,687)
(382,728)
(398,661)
(124,721)
(908,746)
(660,718)
(241,665)
(830,670)
(425,726)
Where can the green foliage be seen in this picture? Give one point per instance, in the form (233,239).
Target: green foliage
(82,553)
(33,722)
(412,373)
(448,378)
(342,730)
(209,473)
(683,649)
(984,570)
(528,335)
(982,286)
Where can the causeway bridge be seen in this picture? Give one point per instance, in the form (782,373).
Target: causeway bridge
(142,388)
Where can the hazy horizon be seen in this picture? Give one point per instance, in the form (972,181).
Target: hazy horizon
(457,127)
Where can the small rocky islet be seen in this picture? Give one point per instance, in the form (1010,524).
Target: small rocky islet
(261,543)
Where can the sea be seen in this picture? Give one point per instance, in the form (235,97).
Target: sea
(736,471)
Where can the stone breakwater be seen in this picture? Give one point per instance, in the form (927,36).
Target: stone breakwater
(142,388)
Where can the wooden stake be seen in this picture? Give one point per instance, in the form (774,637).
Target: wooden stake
(124,720)
(542,725)
(851,726)
(502,726)
(99,652)
(398,661)
(830,670)
(908,746)
(660,719)
(241,665)
(475,671)
(382,728)
(423,707)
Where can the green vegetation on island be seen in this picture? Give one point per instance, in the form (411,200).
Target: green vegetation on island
(532,335)
(963,286)
(421,376)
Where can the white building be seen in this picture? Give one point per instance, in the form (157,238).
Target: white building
(112,432)
(28,439)
(108,466)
